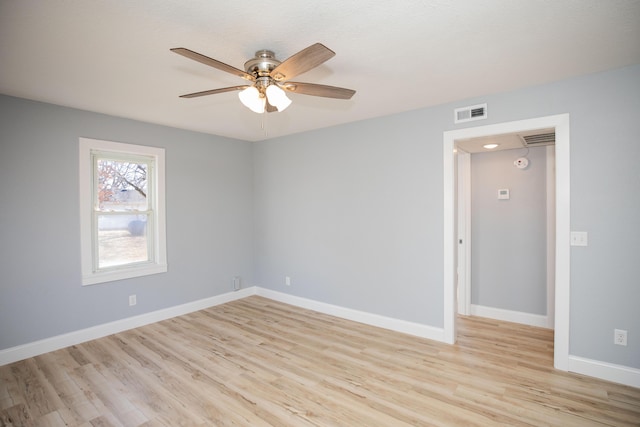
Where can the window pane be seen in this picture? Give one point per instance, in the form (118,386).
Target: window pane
(122,185)
(122,239)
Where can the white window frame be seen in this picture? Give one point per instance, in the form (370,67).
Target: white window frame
(156,233)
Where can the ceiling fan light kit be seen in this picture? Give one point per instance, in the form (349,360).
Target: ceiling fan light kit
(277,97)
(250,98)
(270,78)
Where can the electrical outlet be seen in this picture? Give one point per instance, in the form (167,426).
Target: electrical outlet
(132,300)
(619,337)
(236,283)
(579,238)
(287,280)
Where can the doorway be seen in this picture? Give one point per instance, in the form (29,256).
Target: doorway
(560,123)
(508,261)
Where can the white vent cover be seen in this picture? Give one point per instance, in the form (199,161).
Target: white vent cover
(539,139)
(468,114)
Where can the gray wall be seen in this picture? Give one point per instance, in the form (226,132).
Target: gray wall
(508,237)
(354,213)
(209,224)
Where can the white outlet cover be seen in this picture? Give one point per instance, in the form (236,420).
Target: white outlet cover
(620,337)
(579,238)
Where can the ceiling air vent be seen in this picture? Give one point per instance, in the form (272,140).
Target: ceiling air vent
(539,139)
(468,114)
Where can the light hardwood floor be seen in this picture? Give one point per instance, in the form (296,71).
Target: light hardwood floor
(256,362)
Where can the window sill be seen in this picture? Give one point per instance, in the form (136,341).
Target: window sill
(110,276)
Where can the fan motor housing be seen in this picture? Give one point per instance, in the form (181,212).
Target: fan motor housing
(263,63)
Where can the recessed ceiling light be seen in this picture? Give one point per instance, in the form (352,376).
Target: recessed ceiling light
(490,146)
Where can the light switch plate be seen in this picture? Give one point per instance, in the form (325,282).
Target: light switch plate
(579,238)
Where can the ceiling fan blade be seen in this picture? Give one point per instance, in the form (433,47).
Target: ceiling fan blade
(301,62)
(213,91)
(318,90)
(212,62)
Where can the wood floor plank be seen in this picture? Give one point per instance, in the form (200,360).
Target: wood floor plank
(257,362)
(17,415)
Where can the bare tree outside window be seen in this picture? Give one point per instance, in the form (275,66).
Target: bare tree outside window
(122,212)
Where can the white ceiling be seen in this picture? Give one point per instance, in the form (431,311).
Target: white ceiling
(113,56)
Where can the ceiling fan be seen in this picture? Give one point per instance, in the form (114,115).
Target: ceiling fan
(270,78)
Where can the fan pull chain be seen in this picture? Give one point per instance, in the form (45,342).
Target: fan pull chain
(263,125)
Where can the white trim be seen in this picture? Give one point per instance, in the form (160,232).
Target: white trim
(36,348)
(563,244)
(551,234)
(464,231)
(46,345)
(403,326)
(449,232)
(130,272)
(563,277)
(605,371)
(159,264)
(530,319)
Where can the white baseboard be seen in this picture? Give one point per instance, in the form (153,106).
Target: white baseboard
(602,370)
(605,371)
(411,328)
(510,316)
(46,345)
(36,348)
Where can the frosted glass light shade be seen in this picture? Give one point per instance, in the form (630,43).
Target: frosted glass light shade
(277,97)
(251,99)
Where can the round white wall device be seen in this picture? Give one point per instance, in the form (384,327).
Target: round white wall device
(521,163)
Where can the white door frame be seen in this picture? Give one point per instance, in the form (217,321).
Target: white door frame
(463,188)
(562,275)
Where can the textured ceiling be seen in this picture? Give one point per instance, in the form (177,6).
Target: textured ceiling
(113,56)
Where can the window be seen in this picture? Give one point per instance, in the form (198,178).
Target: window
(121,211)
